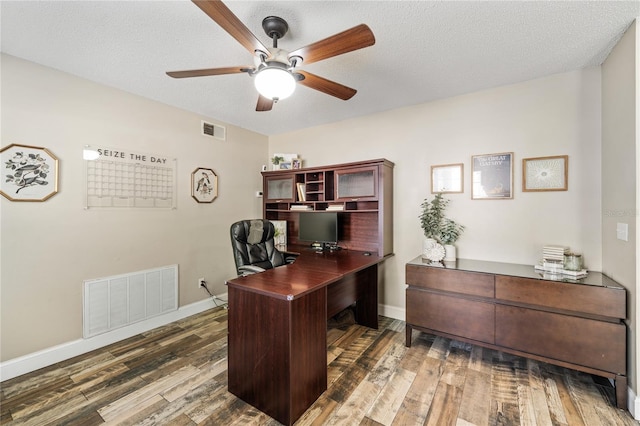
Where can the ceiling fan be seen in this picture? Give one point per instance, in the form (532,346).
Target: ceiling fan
(275,72)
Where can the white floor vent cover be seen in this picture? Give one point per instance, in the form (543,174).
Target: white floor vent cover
(120,300)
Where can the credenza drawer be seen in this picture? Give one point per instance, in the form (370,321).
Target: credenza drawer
(451,315)
(581,341)
(586,299)
(471,283)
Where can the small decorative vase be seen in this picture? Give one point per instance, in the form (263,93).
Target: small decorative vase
(432,250)
(449,253)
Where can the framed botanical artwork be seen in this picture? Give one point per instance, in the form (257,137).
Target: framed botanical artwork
(545,173)
(492,176)
(204,185)
(447,178)
(29,173)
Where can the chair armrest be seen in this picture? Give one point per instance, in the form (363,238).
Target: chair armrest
(250,269)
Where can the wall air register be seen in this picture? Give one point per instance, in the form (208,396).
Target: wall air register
(120,300)
(214,130)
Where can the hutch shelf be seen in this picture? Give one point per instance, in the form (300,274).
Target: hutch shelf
(361,193)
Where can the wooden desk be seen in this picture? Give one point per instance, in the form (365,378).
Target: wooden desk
(278,327)
(577,324)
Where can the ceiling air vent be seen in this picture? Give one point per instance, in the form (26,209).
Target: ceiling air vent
(209,129)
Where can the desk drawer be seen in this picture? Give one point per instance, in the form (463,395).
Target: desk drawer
(471,283)
(452,315)
(582,341)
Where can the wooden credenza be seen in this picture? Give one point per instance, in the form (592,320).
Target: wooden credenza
(577,324)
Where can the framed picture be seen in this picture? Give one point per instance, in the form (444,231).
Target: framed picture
(492,176)
(296,163)
(29,173)
(545,173)
(204,185)
(285,165)
(280,237)
(447,178)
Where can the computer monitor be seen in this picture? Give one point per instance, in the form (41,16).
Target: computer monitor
(319,227)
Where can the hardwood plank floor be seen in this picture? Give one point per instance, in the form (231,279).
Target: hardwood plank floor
(177,375)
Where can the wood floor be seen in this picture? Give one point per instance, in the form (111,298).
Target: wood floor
(177,375)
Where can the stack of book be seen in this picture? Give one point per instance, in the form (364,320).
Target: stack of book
(560,274)
(553,263)
(302,194)
(301,207)
(553,258)
(335,207)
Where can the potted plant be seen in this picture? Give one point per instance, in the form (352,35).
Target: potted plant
(440,232)
(276,160)
(450,233)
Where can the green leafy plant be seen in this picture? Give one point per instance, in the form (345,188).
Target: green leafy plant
(434,223)
(277,159)
(450,232)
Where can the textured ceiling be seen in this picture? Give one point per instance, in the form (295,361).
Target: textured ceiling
(425,50)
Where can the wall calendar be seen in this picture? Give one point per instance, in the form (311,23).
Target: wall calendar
(119,178)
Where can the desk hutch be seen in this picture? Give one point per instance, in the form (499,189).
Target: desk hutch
(363,190)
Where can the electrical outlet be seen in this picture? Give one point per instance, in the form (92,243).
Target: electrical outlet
(201,282)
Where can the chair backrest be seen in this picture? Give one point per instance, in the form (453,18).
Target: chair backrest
(253,244)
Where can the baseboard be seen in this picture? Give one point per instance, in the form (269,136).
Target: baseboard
(633,404)
(392,312)
(46,357)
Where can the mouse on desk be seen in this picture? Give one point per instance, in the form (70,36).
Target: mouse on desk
(366,253)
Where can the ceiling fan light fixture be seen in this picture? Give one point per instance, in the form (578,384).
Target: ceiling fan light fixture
(275,81)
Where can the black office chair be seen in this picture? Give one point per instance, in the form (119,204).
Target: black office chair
(254,249)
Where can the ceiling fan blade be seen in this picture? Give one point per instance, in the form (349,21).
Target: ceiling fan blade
(208,71)
(229,22)
(264,104)
(347,41)
(326,86)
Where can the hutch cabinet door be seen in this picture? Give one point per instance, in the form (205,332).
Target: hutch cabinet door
(357,184)
(279,188)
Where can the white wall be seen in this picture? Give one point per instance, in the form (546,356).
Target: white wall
(620,97)
(49,248)
(556,115)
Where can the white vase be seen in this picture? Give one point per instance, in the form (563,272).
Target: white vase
(449,253)
(432,250)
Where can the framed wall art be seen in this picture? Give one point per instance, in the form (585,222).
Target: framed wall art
(447,178)
(119,178)
(204,185)
(545,173)
(492,176)
(29,173)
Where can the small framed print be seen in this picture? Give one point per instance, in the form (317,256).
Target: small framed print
(545,173)
(204,185)
(492,176)
(296,163)
(447,178)
(29,173)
